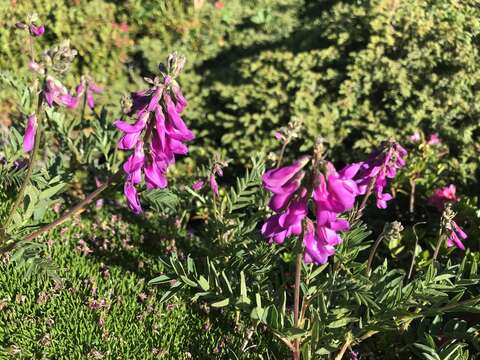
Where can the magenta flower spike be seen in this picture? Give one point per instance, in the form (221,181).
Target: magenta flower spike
(156,135)
(30,132)
(382,165)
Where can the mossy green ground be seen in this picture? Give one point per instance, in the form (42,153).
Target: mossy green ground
(104,309)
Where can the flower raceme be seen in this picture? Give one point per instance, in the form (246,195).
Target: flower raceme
(87,88)
(333,193)
(157,135)
(380,167)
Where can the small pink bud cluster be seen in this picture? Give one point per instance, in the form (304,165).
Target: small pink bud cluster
(156,136)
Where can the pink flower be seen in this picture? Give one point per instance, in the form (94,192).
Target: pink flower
(36,30)
(434,139)
(213,184)
(338,191)
(443,195)
(455,235)
(197,185)
(275,179)
(30,132)
(316,250)
(415,137)
(278,227)
(55,93)
(132,197)
(87,87)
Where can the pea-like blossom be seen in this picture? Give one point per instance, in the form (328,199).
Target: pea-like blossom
(443,195)
(56,93)
(456,236)
(380,167)
(434,139)
(30,132)
(36,30)
(415,137)
(87,88)
(157,135)
(198,185)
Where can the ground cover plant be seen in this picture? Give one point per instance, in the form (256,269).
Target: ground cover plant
(207,204)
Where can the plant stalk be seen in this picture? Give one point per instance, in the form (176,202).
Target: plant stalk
(296,298)
(439,243)
(77,209)
(372,253)
(31,163)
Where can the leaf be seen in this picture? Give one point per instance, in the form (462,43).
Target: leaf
(341,323)
(221,303)
(203,283)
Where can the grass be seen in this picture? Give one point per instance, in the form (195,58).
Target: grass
(103,308)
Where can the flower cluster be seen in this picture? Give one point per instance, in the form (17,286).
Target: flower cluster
(289,201)
(333,193)
(381,166)
(87,88)
(157,134)
(443,195)
(456,234)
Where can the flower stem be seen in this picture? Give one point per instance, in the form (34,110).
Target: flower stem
(31,163)
(296,296)
(372,253)
(412,264)
(439,244)
(77,209)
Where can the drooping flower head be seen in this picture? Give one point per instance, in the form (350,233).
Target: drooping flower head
(31,25)
(87,88)
(455,232)
(216,170)
(157,134)
(443,195)
(381,166)
(30,132)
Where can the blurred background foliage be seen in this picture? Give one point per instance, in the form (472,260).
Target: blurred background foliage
(353,71)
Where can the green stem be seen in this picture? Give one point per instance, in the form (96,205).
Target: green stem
(372,253)
(296,298)
(439,243)
(77,209)
(31,163)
